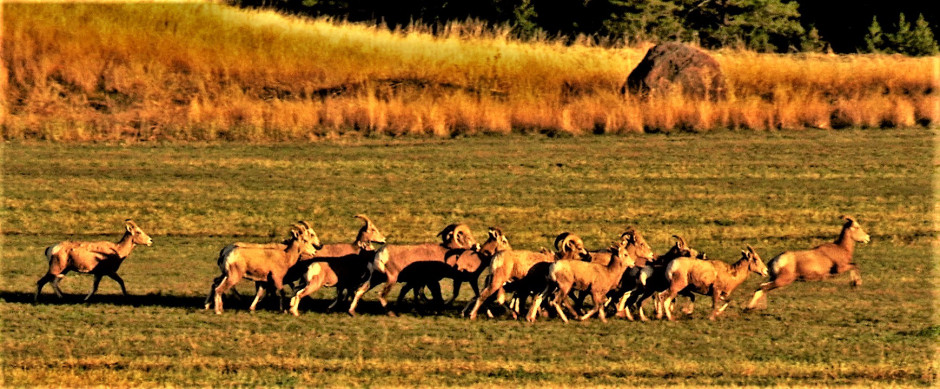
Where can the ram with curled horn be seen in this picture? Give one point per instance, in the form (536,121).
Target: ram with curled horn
(268,263)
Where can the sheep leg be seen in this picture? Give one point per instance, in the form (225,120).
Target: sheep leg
(42,282)
(716,310)
(94,287)
(537,303)
(55,285)
(383,294)
(759,294)
(622,311)
(555,303)
(260,290)
(485,294)
(363,288)
(856,276)
(215,284)
(456,291)
(666,304)
(120,282)
(437,300)
(227,282)
(306,291)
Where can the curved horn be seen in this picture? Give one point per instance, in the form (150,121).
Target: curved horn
(680,242)
(750,249)
(464,231)
(562,237)
(495,232)
(364,218)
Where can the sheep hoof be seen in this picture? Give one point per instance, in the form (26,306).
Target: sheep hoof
(391,314)
(856,283)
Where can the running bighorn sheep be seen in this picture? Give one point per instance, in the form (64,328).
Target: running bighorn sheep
(651,279)
(816,264)
(588,276)
(268,263)
(390,260)
(508,264)
(710,278)
(367,235)
(96,258)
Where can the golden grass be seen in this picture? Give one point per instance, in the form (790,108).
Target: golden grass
(205,71)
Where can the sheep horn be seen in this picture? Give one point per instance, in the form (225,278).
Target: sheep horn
(562,237)
(462,234)
(680,242)
(364,219)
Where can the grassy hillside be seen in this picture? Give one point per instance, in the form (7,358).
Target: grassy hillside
(775,191)
(207,71)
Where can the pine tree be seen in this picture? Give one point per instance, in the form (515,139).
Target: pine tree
(875,40)
(922,40)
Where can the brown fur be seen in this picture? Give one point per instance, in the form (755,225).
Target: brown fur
(268,263)
(816,264)
(710,278)
(390,260)
(587,276)
(507,264)
(96,258)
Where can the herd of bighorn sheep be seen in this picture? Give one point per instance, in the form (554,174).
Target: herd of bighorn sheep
(621,277)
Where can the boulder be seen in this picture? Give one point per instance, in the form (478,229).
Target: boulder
(669,65)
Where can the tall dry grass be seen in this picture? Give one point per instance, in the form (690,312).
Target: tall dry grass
(207,71)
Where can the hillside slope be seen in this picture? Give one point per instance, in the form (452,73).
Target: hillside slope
(205,71)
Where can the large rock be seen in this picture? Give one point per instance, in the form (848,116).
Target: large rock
(670,65)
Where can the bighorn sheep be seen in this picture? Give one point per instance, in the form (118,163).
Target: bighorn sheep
(345,273)
(508,264)
(367,235)
(710,278)
(651,278)
(588,276)
(390,260)
(639,250)
(331,257)
(816,264)
(460,266)
(268,263)
(97,258)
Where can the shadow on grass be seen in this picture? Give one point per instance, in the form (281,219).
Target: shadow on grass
(231,302)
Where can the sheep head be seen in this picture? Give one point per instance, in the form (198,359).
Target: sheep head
(570,244)
(852,230)
(138,235)
(368,234)
(304,234)
(496,242)
(634,241)
(754,262)
(457,236)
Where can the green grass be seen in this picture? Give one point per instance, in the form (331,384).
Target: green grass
(775,191)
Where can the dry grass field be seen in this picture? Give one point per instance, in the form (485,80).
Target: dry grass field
(721,191)
(205,71)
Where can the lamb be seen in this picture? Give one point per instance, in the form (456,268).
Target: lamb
(710,278)
(508,264)
(816,264)
(96,258)
(588,276)
(390,260)
(269,263)
(461,266)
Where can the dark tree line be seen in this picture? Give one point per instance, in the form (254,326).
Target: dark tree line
(764,25)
